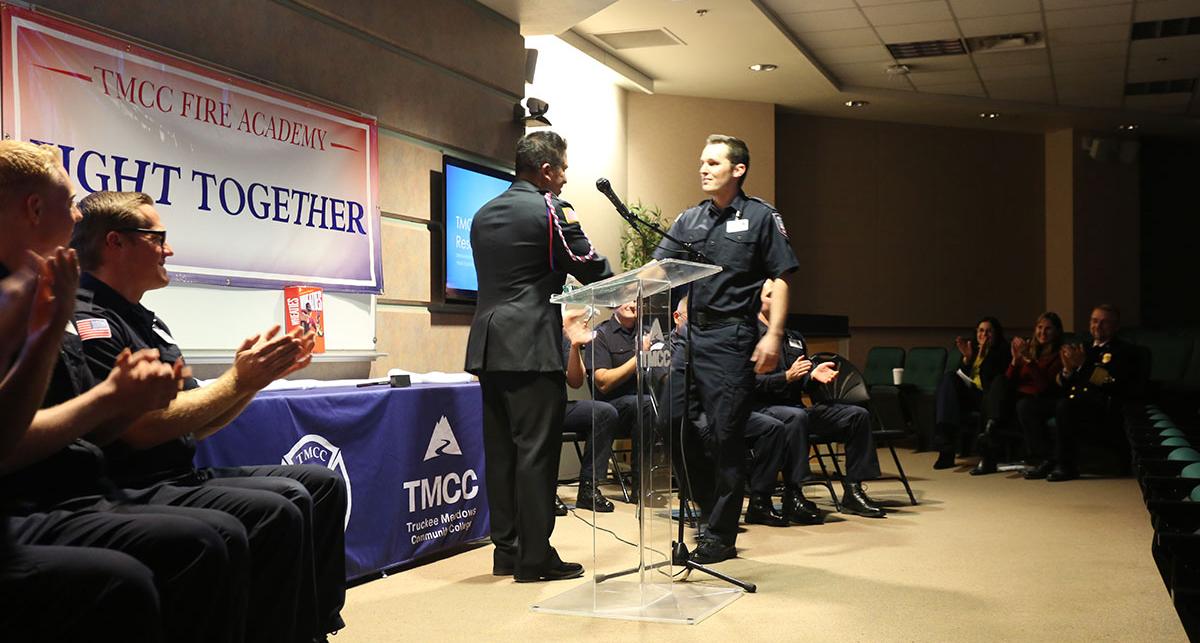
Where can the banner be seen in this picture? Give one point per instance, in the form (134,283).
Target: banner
(257,188)
(412,459)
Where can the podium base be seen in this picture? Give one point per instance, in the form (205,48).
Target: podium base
(680,603)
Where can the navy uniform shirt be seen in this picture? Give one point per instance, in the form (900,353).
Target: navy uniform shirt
(747,239)
(109,324)
(613,346)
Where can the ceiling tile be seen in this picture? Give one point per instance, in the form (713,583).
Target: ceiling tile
(1037,90)
(1169,47)
(1051,5)
(939,63)
(908,14)
(881,3)
(1014,71)
(956,89)
(881,81)
(1099,50)
(946,30)
(1008,58)
(840,38)
(825,20)
(1018,23)
(1089,17)
(1088,35)
(1109,83)
(1089,98)
(868,53)
(781,7)
(959,76)
(859,70)
(1170,103)
(1094,67)
(1165,9)
(982,8)
(1163,71)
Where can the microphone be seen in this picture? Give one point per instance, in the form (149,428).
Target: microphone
(605,188)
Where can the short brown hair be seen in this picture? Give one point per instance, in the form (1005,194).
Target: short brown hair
(25,167)
(739,152)
(1110,309)
(537,148)
(104,212)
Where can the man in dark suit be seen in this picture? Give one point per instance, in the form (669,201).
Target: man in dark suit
(525,243)
(1096,379)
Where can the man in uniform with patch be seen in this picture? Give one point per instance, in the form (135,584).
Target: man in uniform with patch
(746,237)
(123,250)
(524,247)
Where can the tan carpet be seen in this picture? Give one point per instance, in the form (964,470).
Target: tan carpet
(990,558)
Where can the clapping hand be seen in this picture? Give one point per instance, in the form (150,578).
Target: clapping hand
(1073,356)
(798,369)
(141,383)
(54,301)
(964,346)
(575,326)
(825,372)
(1018,350)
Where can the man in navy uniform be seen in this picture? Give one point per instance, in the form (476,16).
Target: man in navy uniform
(746,237)
(524,244)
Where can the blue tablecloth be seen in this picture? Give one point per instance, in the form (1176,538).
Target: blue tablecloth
(411,457)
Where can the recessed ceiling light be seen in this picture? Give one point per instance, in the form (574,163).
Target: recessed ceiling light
(989,115)
(764,67)
(857,103)
(1128,127)
(898,70)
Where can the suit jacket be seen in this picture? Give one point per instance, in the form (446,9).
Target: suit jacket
(522,256)
(1116,357)
(995,363)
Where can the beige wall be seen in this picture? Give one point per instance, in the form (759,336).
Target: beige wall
(438,76)
(665,137)
(914,232)
(1060,225)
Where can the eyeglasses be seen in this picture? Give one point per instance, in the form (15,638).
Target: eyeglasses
(160,236)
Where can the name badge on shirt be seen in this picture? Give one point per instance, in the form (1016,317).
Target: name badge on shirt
(737,225)
(71,329)
(795,343)
(165,335)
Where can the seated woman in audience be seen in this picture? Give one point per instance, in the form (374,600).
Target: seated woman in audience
(961,392)
(1029,383)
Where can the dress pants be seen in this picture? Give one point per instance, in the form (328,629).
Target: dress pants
(845,423)
(581,418)
(320,495)
(954,402)
(1088,416)
(191,566)
(52,593)
(627,424)
(522,437)
(1032,414)
(724,378)
(275,528)
(768,444)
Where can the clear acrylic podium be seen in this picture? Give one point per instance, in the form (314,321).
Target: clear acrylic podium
(632,573)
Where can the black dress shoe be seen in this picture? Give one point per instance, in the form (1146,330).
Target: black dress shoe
(591,498)
(502,563)
(712,550)
(1062,474)
(984,467)
(556,570)
(560,508)
(761,511)
(945,460)
(1040,472)
(855,501)
(799,510)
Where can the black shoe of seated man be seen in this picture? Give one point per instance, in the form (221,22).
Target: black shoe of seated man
(560,508)
(712,550)
(591,498)
(555,570)
(800,510)
(1041,471)
(1062,473)
(502,563)
(855,501)
(945,460)
(761,511)
(985,466)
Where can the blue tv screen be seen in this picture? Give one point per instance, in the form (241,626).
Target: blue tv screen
(467,186)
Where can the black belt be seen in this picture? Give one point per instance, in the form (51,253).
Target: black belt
(709,319)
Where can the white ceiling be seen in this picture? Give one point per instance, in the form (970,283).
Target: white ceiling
(831,51)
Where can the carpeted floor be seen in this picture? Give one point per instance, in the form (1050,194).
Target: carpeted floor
(980,559)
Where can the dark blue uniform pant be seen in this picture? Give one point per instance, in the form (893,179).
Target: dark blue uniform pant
(724,379)
(627,424)
(584,416)
(320,495)
(845,423)
(1032,414)
(522,441)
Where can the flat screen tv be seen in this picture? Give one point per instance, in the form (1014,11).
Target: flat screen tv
(466,186)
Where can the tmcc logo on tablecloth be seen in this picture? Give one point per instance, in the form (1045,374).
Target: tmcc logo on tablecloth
(314,449)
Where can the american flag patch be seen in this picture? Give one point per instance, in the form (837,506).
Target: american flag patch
(93,329)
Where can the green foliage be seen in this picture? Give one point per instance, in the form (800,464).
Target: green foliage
(636,249)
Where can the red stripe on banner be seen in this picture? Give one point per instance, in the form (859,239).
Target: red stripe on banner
(65,72)
(343,147)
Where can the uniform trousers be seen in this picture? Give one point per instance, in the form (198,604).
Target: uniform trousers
(1096,417)
(522,439)
(724,379)
(642,435)
(845,423)
(597,422)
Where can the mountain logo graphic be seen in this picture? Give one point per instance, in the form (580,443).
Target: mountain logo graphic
(442,442)
(656,336)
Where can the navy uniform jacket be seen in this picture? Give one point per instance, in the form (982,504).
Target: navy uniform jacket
(523,254)
(116,324)
(749,252)
(1118,360)
(773,388)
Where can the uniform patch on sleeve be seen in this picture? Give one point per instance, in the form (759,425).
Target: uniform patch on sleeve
(569,214)
(779,224)
(93,329)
